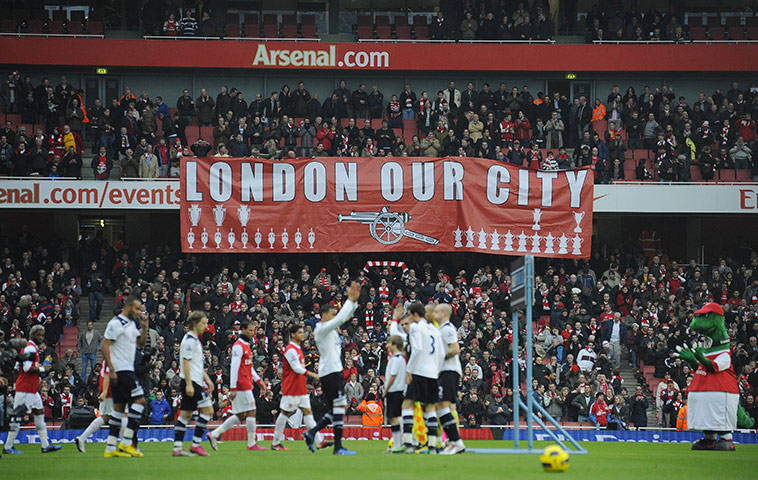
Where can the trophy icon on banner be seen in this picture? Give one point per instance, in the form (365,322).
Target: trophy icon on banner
(243,213)
(562,244)
(577,242)
(508,239)
(217,238)
(231,238)
(258,238)
(271,239)
(219,213)
(470,237)
(194,214)
(311,237)
(495,240)
(285,238)
(482,239)
(549,239)
(578,216)
(298,238)
(536,243)
(537,215)
(522,242)
(458,234)
(204,238)
(190,238)
(244,238)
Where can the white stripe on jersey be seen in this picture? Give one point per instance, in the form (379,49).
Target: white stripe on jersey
(192,350)
(123,333)
(450,336)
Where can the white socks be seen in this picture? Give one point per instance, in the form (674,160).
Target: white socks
(228,423)
(281,423)
(39,423)
(93,427)
(250,426)
(309,423)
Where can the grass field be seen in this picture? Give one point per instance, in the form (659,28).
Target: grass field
(605,460)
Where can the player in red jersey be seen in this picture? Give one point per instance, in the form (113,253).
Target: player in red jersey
(27,395)
(243,375)
(294,389)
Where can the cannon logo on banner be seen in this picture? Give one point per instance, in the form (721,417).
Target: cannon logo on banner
(384,204)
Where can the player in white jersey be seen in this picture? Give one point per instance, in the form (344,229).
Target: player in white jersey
(121,340)
(426,357)
(195,397)
(394,389)
(330,368)
(450,374)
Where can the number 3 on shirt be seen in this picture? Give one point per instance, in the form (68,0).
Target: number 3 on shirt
(433,348)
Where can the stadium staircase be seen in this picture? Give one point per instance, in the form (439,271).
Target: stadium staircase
(633,377)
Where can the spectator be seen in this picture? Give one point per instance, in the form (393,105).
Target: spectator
(188,25)
(185,106)
(88,345)
(439,27)
(205,108)
(160,410)
(639,406)
(171,26)
(102,164)
(148,164)
(583,402)
(469,27)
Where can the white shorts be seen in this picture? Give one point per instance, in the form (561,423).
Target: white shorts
(33,401)
(715,411)
(292,403)
(106,406)
(243,402)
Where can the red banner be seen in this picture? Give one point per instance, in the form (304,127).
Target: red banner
(347,204)
(320,56)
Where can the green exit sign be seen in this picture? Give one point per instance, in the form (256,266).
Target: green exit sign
(571,76)
(102,71)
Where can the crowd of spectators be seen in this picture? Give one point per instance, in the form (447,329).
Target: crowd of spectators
(144,137)
(633,305)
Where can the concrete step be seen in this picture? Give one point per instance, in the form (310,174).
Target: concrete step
(109,302)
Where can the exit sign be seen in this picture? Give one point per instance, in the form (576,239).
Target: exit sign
(102,71)
(571,76)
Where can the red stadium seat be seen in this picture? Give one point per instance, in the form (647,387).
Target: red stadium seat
(714,21)
(232,30)
(383,32)
(206,133)
(751,21)
(60,16)
(744,176)
(36,26)
(270,26)
(308,31)
(20,14)
(734,21)
(252,25)
(55,27)
(77,16)
(421,32)
(401,21)
(697,33)
(289,27)
(736,33)
(74,28)
(382,20)
(716,33)
(376,123)
(364,20)
(95,28)
(8,25)
(232,18)
(365,32)
(402,32)
(752,33)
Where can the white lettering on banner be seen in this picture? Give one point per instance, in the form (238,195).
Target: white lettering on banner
(392,181)
(496,194)
(523,187)
(251,182)
(346,181)
(423,181)
(452,179)
(547,187)
(576,183)
(192,194)
(220,182)
(72,194)
(284,182)
(324,56)
(314,177)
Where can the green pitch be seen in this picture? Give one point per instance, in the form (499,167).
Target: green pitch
(232,461)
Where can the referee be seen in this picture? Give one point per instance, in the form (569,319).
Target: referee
(122,338)
(194,396)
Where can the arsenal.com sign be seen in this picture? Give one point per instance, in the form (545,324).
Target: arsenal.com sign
(384,204)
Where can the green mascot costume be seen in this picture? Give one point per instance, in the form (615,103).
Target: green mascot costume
(713,399)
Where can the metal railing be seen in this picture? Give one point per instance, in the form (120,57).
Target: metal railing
(410,40)
(56,35)
(225,38)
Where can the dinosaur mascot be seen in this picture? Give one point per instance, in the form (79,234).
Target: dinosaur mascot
(713,399)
